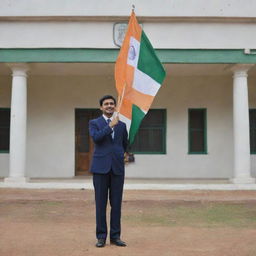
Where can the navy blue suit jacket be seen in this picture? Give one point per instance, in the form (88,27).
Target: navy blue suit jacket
(108,153)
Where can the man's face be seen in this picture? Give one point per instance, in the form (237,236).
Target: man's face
(108,107)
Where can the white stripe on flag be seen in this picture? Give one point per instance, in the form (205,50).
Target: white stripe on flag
(133,53)
(126,120)
(144,83)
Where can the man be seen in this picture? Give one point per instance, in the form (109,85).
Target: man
(110,140)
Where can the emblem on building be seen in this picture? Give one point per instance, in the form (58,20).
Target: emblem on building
(119,31)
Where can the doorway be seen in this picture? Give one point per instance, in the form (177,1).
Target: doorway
(83,142)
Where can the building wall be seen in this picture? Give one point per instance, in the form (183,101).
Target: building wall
(178,24)
(225,24)
(179,94)
(155,8)
(86,34)
(50,141)
(51,123)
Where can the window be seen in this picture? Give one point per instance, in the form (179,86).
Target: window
(197,131)
(252,117)
(151,137)
(4,130)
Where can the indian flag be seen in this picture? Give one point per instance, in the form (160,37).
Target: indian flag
(139,75)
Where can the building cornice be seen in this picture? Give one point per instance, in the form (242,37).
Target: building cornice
(153,19)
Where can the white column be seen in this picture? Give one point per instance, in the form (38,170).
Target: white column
(242,169)
(18,125)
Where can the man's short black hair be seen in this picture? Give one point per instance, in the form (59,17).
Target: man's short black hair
(107,97)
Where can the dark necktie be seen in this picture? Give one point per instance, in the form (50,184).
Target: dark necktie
(112,134)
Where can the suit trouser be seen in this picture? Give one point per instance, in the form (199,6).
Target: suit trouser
(108,185)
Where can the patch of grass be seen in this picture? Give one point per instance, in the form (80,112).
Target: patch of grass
(202,215)
(218,215)
(252,252)
(50,203)
(46,209)
(148,219)
(33,210)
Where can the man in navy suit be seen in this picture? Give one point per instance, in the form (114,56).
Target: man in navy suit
(110,140)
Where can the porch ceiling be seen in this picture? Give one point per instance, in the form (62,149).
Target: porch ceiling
(107,69)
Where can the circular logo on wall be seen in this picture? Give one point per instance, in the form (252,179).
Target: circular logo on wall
(132,53)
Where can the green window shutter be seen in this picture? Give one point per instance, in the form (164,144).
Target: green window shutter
(197,137)
(252,118)
(151,137)
(4,130)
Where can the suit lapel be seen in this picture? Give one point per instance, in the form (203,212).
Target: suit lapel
(117,130)
(102,121)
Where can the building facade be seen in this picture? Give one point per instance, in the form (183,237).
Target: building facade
(57,59)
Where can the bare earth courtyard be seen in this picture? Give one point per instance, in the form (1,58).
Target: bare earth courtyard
(175,223)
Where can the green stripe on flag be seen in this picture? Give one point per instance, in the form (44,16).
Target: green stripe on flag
(137,116)
(148,61)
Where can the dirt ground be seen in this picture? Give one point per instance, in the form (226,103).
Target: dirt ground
(174,223)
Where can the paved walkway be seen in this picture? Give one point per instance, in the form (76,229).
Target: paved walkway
(132,184)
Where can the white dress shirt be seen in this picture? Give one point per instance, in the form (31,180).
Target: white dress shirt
(106,119)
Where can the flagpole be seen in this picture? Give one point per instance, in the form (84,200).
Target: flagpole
(120,99)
